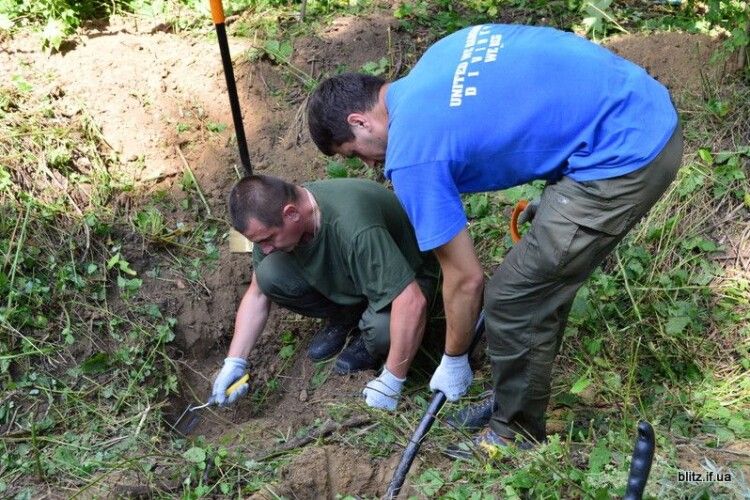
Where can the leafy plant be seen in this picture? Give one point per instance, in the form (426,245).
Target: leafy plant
(375,68)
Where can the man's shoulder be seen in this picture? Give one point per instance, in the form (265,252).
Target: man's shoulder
(351,204)
(343,187)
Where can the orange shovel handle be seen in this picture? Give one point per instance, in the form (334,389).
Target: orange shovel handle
(217,11)
(514,234)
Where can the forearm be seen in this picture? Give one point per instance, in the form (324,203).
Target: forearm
(463,284)
(251,318)
(408,318)
(462,302)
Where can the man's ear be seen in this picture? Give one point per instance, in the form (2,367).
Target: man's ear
(291,212)
(358,120)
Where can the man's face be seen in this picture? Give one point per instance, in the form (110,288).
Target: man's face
(370,140)
(271,239)
(369,151)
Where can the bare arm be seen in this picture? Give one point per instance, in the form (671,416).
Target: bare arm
(250,321)
(408,317)
(463,283)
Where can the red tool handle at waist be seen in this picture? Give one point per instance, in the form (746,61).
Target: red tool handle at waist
(520,207)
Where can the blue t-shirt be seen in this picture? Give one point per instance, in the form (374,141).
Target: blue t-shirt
(495,106)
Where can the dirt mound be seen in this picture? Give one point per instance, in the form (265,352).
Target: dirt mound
(336,469)
(681,61)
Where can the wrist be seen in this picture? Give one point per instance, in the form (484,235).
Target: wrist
(454,361)
(391,380)
(235,362)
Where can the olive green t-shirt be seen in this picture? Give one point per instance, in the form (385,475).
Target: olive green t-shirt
(365,248)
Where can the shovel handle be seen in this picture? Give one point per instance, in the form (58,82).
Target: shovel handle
(640,466)
(238,383)
(217,11)
(217,14)
(520,207)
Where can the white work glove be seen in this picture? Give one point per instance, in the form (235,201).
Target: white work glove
(529,212)
(452,377)
(384,391)
(233,369)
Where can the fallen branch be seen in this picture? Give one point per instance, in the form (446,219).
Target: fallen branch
(328,428)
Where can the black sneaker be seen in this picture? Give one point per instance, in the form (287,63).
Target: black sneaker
(484,444)
(328,341)
(474,416)
(355,358)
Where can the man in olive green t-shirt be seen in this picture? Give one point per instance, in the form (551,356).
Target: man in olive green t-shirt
(339,249)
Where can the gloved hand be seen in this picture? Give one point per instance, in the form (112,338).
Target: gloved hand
(384,391)
(453,376)
(233,369)
(529,212)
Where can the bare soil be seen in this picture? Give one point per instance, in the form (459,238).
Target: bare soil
(138,83)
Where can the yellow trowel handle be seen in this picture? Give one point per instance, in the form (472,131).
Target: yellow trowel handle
(236,385)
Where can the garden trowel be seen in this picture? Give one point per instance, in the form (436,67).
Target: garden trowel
(192,414)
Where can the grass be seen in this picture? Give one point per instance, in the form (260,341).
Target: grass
(88,367)
(85,363)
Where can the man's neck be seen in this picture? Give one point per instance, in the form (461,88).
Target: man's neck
(311,214)
(381,105)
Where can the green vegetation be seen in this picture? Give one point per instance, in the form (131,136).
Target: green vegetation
(87,364)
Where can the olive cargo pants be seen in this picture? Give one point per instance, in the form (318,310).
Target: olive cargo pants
(528,298)
(280,279)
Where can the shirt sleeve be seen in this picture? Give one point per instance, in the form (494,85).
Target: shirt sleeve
(378,267)
(432,201)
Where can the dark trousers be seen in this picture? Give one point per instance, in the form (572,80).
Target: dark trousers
(528,298)
(281,280)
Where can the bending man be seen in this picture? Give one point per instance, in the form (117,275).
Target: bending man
(337,249)
(487,108)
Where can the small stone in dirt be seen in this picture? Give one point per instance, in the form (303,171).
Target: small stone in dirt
(303,395)
(180,284)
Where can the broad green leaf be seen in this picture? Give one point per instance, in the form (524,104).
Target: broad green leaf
(430,482)
(322,371)
(581,384)
(706,156)
(336,170)
(95,363)
(195,455)
(599,457)
(739,426)
(53,34)
(676,324)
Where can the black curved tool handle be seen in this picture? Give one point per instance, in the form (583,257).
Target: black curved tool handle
(410,452)
(640,465)
(434,406)
(217,13)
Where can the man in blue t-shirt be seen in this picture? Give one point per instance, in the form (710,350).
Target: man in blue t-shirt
(495,106)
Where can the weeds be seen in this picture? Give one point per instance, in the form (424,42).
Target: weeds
(86,366)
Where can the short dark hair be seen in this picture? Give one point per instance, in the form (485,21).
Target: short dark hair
(333,101)
(259,197)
